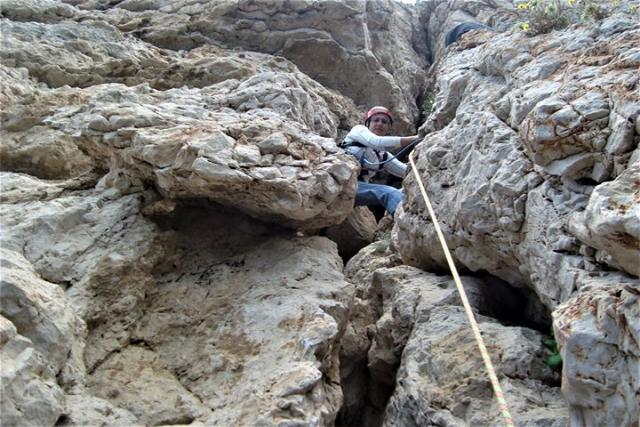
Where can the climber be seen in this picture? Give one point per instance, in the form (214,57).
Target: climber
(369,144)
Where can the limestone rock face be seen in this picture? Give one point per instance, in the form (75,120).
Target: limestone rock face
(515,148)
(37,309)
(27,144)
(420,330)
(530,161)
(364,50)
(248,322)
(39,329)
(598,330)
(30,394)
(259,139)
(611,221)
(139,381)
(438,17)
(180,324)
(257,161)
(86,410)
(168,171)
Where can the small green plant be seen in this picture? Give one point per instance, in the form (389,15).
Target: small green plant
(540,17)
(428,101)
(555,360)
(543,16)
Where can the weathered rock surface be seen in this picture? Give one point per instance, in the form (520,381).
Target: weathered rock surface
(529,163)
(420,330)
(86,410)
(348,46)
(438,17)
(611,221)
(506,167)
(30,394)
(155,175)
(189,143)
(38,329)
(598,331)
(183,345)
(257,320)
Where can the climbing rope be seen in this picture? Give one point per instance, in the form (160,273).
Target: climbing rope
(497,390)
(398,154)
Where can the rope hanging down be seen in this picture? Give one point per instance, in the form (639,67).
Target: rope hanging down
(497,390)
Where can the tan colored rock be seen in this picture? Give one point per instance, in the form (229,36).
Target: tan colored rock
(443,379)
(38,309)
(414,310)
(515,150)
(567,96)
(138,380)
(26,144)
(89,53)
(356,45)
(259,162)
(87,410)
(188,142)
(232,319)
(249,322)
(39,332)
(99,246)
(611,220)
(597,331)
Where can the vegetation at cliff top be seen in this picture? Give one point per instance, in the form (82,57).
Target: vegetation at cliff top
(543,16)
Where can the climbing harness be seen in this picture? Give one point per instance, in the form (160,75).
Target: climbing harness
(398,154)
(497,390)
(366,165)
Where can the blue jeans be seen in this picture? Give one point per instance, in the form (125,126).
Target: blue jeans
(377,194)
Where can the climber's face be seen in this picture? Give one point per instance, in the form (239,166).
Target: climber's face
(380,124)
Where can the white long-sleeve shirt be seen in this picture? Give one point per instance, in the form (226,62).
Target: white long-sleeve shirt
(372,150)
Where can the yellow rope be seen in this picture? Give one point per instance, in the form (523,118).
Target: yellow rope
(502,403)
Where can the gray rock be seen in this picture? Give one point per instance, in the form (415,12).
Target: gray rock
(38,309)
(138,380)
(85,410)
(598,331)
(30,394)
(611,220)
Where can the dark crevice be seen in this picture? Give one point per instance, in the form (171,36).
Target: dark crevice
(513,306)
(63,420)
(367,389)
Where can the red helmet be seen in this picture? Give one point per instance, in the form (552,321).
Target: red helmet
(377,110)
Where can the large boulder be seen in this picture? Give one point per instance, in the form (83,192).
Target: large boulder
(367,51)
(611,221)
(254,133)
(248,322)
(30,394)
(256,159)
(205,317)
